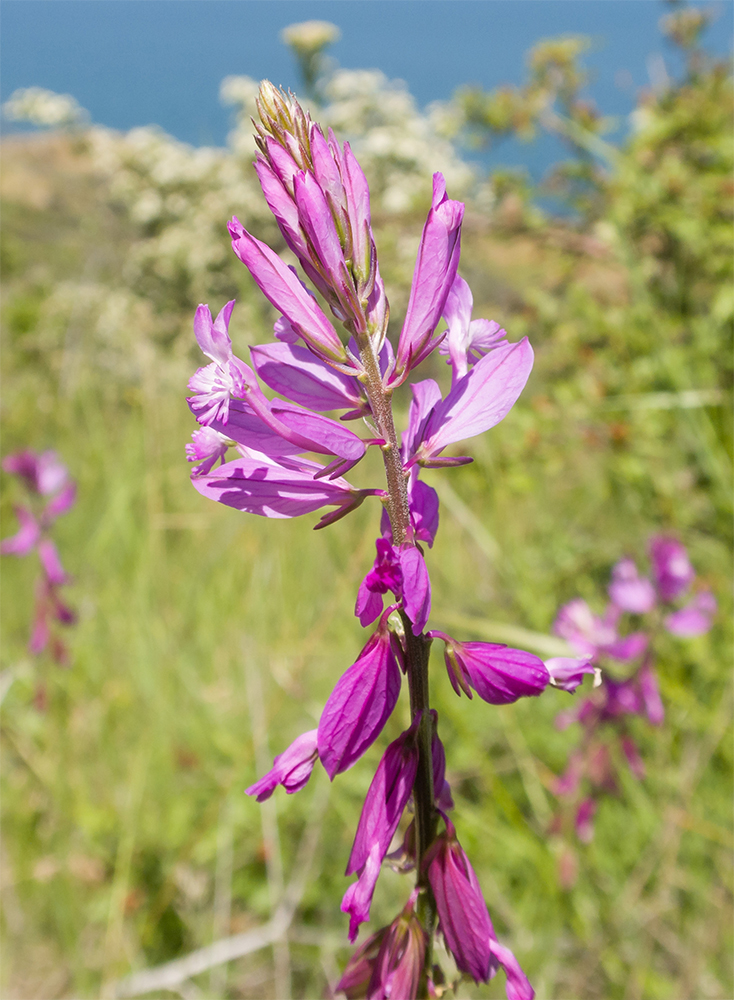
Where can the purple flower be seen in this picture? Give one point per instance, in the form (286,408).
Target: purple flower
(671,567)
(636,764)
(423,502)
(518,985)
(386,799)
(51,562)
(651,694)
(467,340)
(63,501)
(358,972)
(630,591)
(498,674)
(416,587)
(358,897)
(226,376)
(386,574)
(404,572)
(441,787)
(43,474)
(360,704)
(477,401)
(567,673)
(462,912)
(301,376)
(208,446)
(399,961)
(26,538)
(592,636)
(693,619)
(291,769)
(280,285)
(584,821)
(278,489)
(435,270)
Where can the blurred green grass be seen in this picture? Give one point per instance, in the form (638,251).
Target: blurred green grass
(128,840)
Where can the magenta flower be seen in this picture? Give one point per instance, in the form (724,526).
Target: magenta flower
(604,717)
(354,984)
(280,285)
(383,808)
(462,912)
(358,897)
(435,270)
(398,964)
(385,575)
(498,674)
(476,402)
(386,799)
(291,769)
(404,572)
(360,704)
(651,694)
(320,199)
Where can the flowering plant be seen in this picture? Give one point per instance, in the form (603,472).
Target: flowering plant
(627,686)
(320,199)
(50,493)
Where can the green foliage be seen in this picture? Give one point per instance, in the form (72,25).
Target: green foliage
(208,640)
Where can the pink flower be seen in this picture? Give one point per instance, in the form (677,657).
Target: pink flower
(291,769)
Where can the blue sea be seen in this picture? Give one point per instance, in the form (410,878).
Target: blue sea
(136,62)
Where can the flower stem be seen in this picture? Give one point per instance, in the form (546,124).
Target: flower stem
(417,650)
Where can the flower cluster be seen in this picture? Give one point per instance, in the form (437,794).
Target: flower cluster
(626,673)
(320,199)
(51,493)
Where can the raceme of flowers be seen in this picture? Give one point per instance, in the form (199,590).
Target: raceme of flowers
(50,493)
(320,199)
(629,684)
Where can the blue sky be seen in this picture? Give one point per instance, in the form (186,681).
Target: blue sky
(136,62)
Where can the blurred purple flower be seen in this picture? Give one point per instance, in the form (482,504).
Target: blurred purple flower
(671,567)
(630,591)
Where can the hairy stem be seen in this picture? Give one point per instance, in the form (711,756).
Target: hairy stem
(417,649)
